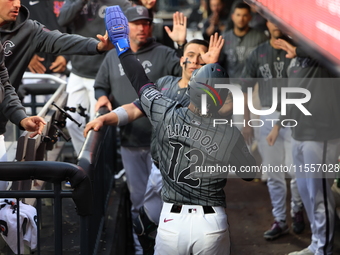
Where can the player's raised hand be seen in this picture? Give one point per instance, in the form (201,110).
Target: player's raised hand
(272,136)
(284,45)
(179,30)
(215,47)
(95,124)
(104,44)
(33,124)
(117,28)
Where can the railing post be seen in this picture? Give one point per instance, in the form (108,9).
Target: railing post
(58,235)
(84,236)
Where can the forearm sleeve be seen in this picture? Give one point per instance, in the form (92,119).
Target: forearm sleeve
(135,72)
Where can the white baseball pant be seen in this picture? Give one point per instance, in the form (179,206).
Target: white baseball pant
(191,231)
(153,199)
(316,191)
(278,154)
(80,91)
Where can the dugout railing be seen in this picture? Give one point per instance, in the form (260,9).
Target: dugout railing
(55,173)
(98,158)
(92,182)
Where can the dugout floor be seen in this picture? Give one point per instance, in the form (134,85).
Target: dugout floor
(249,215)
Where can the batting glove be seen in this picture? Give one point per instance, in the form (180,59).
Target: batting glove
(117,28)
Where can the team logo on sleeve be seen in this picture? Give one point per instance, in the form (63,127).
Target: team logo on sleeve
(152,94)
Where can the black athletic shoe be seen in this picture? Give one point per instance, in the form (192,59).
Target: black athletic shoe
(278,229)
(298,222)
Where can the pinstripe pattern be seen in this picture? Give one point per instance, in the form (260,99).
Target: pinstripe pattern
(268,67)
(184,139)
(168,85)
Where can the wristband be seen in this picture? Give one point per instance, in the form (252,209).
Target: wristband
(123,117)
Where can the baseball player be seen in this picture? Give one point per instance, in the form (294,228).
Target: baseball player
(22,37)
(175,88)
(315,142)
(267,65)
(193,218)
(111,81)
(12,109)
(47,12)
(218,21)
(240,41)
(84,18)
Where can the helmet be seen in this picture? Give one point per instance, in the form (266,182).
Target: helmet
(203,81)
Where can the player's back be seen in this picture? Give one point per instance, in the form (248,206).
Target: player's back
(191,149)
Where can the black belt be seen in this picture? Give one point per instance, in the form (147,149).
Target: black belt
(178,209)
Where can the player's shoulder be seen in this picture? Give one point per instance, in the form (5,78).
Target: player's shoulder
(228,34)
(123,4)
(164,50)
(167,81)
(36,27)
(152,44)
(111,54)
(254,31)
(28,27)
(262,48)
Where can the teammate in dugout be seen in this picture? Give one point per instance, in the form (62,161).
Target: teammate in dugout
(267,66)
(315,141)
(195,55)
(22,37)
(11,108)
(198,203)
(111,82)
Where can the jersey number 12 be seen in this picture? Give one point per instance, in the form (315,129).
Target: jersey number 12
(184,174)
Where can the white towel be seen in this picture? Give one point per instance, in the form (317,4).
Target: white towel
(8,222)
(31,234)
